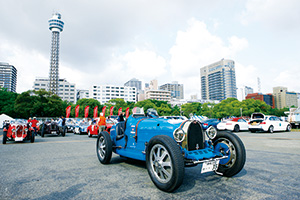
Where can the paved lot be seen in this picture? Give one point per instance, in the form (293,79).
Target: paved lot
(67,168)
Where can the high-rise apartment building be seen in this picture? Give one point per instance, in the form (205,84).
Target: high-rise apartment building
(56,25)
(175,89)
(104,93)
(66,91)
(283,98)
(8,76)
(218,80)
(134,83)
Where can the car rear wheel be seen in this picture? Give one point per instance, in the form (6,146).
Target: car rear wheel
(236,128)
(32,137)
(288,128)
(165,163)
(43,131)
(104,147)
(271,129)
(4,138)
(230,145)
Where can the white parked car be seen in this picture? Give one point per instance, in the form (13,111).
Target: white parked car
(235,124)
(261,122)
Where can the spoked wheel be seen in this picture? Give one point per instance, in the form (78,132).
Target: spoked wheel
(43,131)
(104,147)
(165,163)
(231,146)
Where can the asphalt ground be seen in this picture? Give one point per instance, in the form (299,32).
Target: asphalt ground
(56,167)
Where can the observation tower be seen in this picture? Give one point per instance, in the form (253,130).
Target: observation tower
(56,25)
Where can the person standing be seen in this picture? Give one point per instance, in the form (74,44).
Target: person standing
(34,125)
(102,123)
(121,118)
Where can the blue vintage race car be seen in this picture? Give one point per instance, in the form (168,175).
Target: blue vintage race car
(168,146)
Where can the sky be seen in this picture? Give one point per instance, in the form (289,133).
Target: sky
(111,42)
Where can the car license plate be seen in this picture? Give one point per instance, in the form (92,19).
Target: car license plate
(210,166)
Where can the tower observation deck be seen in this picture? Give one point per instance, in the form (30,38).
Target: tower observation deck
(56,25)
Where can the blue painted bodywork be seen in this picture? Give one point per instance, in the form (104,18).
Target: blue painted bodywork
(139,130)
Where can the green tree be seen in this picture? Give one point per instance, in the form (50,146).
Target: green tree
(7,101)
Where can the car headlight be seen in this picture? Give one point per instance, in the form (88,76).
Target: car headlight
(211,132)
(179,135)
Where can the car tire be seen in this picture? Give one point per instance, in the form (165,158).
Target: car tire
(271,129)
(166,177)
(104,147)
(32,137)
(236,128)
(4,138)
(288,128)
(43,131)
(231,145)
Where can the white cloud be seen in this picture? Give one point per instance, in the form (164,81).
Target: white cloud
(29,64)
(289,79)
(197,47)
(273,13)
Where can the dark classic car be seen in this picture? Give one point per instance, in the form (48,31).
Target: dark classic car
(18,131)
(168,146)
(51,127)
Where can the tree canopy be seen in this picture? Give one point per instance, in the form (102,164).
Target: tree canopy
(44,104)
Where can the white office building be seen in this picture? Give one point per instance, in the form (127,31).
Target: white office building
(104,93)
(66,90)
(160,95)
(218,80)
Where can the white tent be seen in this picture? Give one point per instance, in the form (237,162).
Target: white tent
(4,117)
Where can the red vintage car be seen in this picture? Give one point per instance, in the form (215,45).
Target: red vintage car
(94,128)
(17,131)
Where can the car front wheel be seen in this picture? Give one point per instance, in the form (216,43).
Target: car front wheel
(104,147)
(165,163)
(230,145)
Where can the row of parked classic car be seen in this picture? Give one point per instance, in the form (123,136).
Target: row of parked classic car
(21,130)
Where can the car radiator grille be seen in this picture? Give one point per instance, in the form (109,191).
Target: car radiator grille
(195,136)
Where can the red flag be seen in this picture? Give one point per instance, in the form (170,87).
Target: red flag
(134,110)
(127,112)
(120,110)
(86,111)
(103,111)
(68,111)
(96,112)
(77,111)
(111,110)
